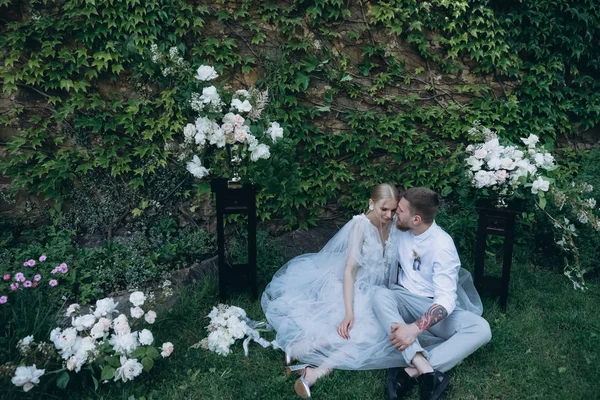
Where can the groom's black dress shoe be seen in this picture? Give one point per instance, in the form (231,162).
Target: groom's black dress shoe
(398,384)
(433,385)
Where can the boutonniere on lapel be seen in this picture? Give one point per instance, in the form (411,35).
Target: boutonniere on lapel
(416,261)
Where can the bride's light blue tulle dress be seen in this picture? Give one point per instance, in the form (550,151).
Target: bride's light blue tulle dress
(304,302)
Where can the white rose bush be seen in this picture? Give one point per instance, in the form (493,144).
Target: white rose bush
(109,344)
(228,324)
(225,126)
(522,171)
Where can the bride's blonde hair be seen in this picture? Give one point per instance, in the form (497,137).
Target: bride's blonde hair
(384,191)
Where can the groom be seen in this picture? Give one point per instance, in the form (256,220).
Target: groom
(423,300)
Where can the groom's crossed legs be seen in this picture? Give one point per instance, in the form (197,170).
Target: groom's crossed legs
(462,332)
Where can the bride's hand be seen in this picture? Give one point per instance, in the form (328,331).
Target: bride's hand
(344,327)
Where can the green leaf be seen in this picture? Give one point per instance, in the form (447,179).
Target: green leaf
(543,202)
(152,352)
(114,361)
(140,351)
(108,373)
(147,363)
(62,380)
(95,382)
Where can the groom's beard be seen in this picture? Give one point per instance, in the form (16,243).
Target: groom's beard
(401,226)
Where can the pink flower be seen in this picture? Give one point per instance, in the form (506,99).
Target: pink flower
(34,284)
(64,298)
(6,277)
(53,282)
(14,286)
(55,270)
(19,277)
(31,263)
(3,299)
(42,258)
(27,284)
(64,268)
(26,264)
(37,278)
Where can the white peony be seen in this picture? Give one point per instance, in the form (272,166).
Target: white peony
(136,312)
(261,151)
(72,308)
(64,341)
(540,184)
(99,328)
(150,317)
(137,299)
(206,73)
(145,337)
(195,168)
(275,131)
(124,343)
(241,106)
(27,377)
(167,349)
(129,369)
(105,307)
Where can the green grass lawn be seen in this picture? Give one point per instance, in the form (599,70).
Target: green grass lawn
(547,346)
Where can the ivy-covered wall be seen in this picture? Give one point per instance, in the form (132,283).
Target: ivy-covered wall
(367,91)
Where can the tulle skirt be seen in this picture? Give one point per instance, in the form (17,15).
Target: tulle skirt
(304,303)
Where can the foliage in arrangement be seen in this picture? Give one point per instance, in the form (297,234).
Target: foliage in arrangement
(235,130)
(96,342)
(506,172)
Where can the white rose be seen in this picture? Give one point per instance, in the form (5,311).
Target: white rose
(71,309)
(507,163)
(206,73)
(241,106)
(242,93)
(136,312)
(137,299)
(167,349)
(240,133)
(540,184)
(146,337)
(27,377)
(72,363)
(121,325)
(150,317)
(261,151)
(275,131)
(129,369)
(531,141)
(189,132)
(501,175)
(480,153)
(494,163)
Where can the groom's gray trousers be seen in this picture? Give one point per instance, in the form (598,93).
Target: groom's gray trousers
(458,335)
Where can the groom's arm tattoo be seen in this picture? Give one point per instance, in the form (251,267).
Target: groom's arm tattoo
(435,314)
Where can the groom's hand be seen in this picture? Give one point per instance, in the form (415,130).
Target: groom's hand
(404,335)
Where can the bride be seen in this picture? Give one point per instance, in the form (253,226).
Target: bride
(320,304)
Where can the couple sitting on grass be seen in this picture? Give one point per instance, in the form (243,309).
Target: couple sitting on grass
(387,291)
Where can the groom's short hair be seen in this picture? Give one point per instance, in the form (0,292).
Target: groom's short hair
(423,202)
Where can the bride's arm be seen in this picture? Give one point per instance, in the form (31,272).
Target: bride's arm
(348,291)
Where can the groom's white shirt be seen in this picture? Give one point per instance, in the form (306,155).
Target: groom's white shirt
(437,275)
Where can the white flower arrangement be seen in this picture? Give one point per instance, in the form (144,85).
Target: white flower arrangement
(120,352)
(504,169)
(228,324)
(223,122)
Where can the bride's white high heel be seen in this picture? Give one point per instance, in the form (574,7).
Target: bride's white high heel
(301,386)
(288,358)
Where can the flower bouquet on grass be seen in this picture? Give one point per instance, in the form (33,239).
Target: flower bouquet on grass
(228,324)
(109,348)
(227,127)
(513,171)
